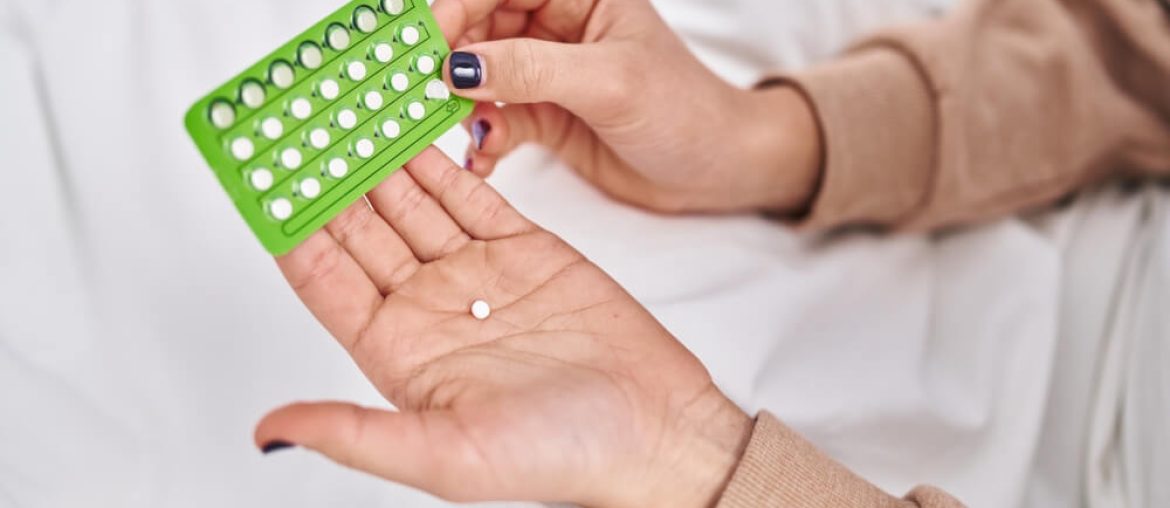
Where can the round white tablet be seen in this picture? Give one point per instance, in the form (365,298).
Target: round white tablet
(329,89)
(383,52)
(291,158)
(337,168)
(355,70)
(393,7)
(399,82)
(243,149)
(261,179)
(309,54)
(481,310)
(222,114)
(280,208)
(252,94)
(416,111)
(337,37)
(364,148)
(391,129)
(438,90)
(281,74)
(372,100)
(365,19)
(346,119)
(425,64)
(409,35)
(309,188)
(301,108)
(319,138)
(272,128)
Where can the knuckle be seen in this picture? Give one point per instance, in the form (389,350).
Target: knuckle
(528,74)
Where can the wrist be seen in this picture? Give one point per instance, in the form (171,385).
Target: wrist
(783,148)
(699,454)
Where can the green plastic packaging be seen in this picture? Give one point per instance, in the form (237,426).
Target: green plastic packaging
(312,127)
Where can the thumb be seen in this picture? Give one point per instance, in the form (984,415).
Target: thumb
(587,79)
(425,450)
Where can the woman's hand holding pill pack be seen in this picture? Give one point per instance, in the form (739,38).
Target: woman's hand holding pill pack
(617,95)
(522,371)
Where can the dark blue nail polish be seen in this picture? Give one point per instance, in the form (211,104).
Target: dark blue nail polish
(275,446)
(466,70)
(468,165)
(479,132)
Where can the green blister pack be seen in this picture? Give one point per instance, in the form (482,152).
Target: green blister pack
(312,127)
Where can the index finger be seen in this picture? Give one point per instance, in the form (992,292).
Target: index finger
(455,17)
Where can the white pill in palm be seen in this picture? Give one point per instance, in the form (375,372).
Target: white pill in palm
(243,149)
(329,89)
(272,128)
(481,310)
(309,188)
(346,119)
(399,82)
(319,138)
(301,108)
(364,148)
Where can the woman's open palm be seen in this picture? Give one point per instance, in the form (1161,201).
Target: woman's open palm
(569,391)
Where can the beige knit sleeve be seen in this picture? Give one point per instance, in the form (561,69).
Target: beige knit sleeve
(1002,106)
(781,469)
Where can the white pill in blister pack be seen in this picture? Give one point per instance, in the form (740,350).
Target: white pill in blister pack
(390,129)
(410,35)
(399,82)
(281,74)
(372,101)
(309,188)
(346,119)
(338,37)
(272,128)
(260,179)
(243,149)
(252,94)
(365,19)
(319,139)
(309,54)
(425,64)
(393,7)
(383,52)
(223,115)
(291,158)
(416,111)
(364,148)
(438,90)
(355,71)
(337,167)
(301,108)
(280,208)
(328,89)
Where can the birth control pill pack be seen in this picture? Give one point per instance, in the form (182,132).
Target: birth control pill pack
(309,129)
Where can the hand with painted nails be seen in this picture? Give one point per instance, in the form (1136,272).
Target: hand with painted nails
(520,369)
(609,88)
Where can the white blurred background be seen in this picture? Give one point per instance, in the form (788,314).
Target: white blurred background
(143,330)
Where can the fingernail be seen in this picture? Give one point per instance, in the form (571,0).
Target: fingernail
(467,165)
(466,70)
(479,132)
(275,446)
